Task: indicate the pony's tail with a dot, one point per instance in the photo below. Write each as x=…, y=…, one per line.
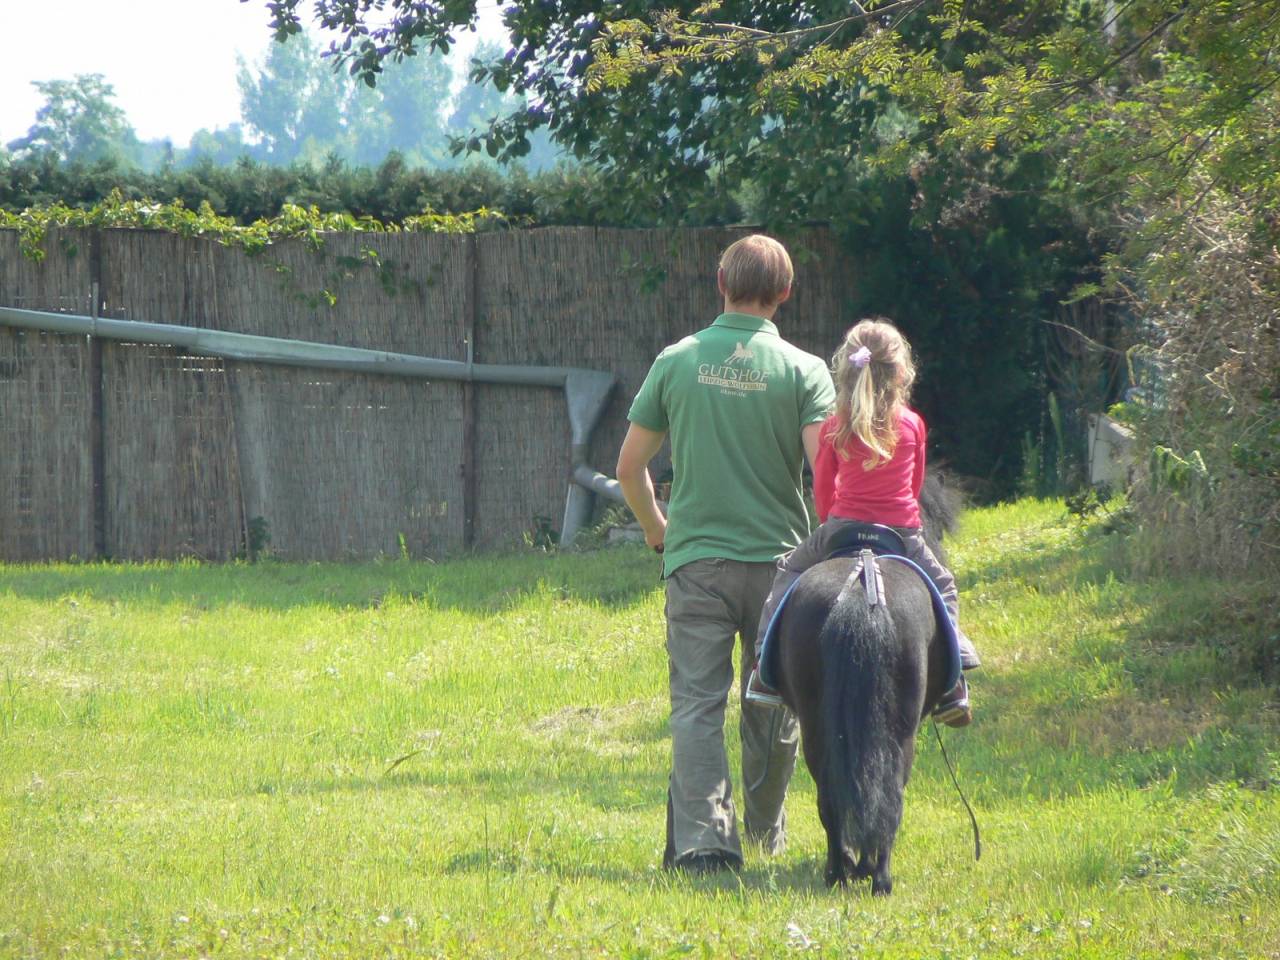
x=863, y=762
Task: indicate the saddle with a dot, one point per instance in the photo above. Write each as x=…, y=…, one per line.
x=870, y=543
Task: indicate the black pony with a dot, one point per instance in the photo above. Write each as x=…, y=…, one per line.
x=860, y=678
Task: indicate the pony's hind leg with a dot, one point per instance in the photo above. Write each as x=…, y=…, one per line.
x=811, y=742
x=836, y=872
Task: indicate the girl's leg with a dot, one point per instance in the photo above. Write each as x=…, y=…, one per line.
x=811, y=550
x=954, y=708
x=919, y=551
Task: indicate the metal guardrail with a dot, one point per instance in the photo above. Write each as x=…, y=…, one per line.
x=586, y=391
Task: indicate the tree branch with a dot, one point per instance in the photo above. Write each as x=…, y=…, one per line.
x=757, y=35
x=1081, y=84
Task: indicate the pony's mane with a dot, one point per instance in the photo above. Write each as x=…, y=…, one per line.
x=940, y=505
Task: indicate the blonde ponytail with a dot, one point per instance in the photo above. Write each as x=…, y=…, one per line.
x=873, y=372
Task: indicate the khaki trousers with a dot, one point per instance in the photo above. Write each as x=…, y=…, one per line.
x=709, y=602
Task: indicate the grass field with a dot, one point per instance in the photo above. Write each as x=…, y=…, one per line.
x=200, y=761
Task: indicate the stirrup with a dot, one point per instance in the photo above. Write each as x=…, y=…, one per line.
x=955, y=711
x=758, y=692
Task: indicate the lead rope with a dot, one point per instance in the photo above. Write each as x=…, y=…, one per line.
x=977, y=839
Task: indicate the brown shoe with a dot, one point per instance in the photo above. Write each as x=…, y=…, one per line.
x=706, y=862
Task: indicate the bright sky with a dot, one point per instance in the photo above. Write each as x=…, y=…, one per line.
x=172, y=62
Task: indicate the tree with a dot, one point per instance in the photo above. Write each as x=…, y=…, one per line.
x=301, y=108
x=714, y=95
x=220, y=147
x=403, y=112
x=79, y=122
x=543, y=73
x=480, y=103
x=294, y=103
x=1150, y=101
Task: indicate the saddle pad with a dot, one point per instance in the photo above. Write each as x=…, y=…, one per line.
x=768, y=666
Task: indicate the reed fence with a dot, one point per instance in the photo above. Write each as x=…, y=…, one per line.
x=140, y=451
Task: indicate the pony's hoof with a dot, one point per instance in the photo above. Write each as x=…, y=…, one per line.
x=881, y=888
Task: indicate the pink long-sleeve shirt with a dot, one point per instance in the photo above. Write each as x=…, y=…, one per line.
x=888, y=493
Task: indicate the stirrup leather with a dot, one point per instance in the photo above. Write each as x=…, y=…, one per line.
x=872, y=579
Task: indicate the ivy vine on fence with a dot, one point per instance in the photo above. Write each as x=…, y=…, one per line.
x=307, y=224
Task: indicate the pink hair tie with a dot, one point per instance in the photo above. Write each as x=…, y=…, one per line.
x=860, y=357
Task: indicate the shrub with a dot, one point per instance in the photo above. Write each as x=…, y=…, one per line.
x=1210, y=412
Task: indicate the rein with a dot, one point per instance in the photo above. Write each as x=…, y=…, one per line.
x=977, y=839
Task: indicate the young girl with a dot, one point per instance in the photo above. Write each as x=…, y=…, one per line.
x=869, y=469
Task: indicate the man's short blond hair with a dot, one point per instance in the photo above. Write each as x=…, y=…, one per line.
x=757, y=269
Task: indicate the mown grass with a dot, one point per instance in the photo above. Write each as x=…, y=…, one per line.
x=200, y=761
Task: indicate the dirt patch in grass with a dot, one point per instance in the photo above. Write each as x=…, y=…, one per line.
x=1239, y=624
x=1123, y=725
x=619, y=730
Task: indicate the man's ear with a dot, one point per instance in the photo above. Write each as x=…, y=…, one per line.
x=720, y=281
x=784, y=296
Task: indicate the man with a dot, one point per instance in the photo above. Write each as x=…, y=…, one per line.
x=742, y=408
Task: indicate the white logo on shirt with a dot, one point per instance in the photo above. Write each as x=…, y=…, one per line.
x=732, y=380
x=740, y=354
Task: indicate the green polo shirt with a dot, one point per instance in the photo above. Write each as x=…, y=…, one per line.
x=733, y=398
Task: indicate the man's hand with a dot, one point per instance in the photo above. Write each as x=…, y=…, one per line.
x=657, y=536
x=639, y=447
